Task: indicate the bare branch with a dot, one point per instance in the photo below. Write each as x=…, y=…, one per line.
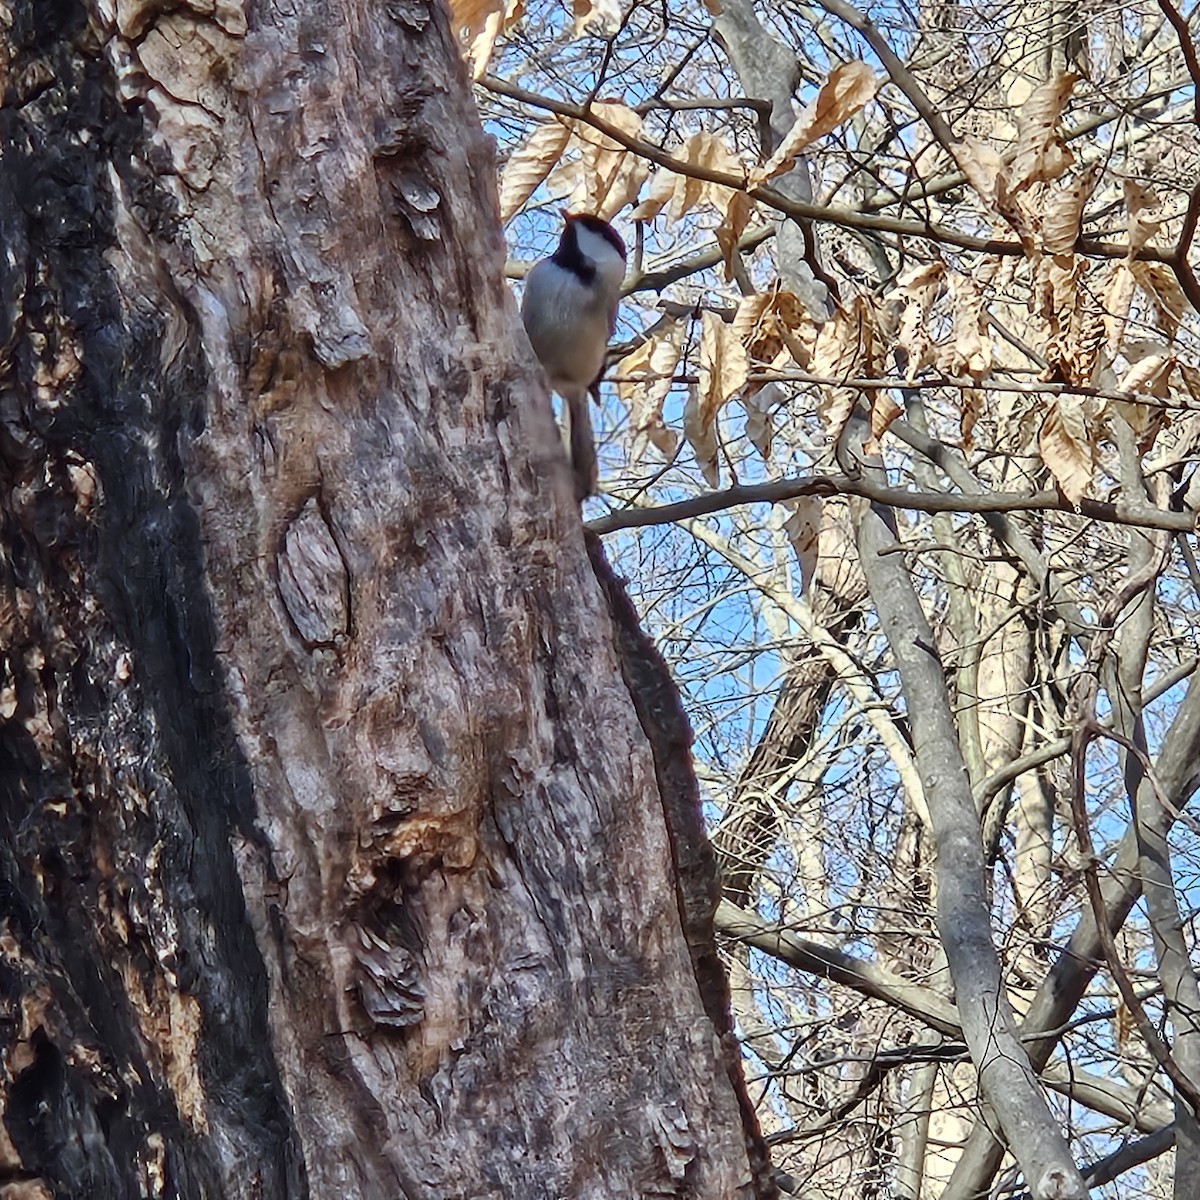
x=926, y=1005
x=1121, y=512
x=989, y=1025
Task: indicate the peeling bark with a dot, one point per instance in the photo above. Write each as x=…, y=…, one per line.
x=334, y=859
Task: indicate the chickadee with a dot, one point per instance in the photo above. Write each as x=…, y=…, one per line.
x=570, y=311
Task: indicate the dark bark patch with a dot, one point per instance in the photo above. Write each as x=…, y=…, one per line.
x=121, y=787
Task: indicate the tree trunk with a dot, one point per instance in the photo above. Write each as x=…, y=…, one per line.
x=334, y=858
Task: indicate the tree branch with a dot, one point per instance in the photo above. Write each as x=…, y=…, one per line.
x=963, y=921
x=1187, y=44
x=801, y=210
x=1123, y=1104
x=1122, y=512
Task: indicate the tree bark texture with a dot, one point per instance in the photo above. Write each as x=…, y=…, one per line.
x=334, y=859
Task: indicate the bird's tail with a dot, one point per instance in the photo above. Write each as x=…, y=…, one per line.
x=581, y=442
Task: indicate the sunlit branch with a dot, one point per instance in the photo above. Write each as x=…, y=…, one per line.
x=846, y=217
x=1121, y=512
x=924, y=1003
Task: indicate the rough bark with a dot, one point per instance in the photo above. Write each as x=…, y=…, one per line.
x=334, y=860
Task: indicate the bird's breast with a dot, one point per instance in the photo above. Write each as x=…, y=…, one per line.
x=568, y=326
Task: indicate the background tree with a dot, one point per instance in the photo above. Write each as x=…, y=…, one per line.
x=900, y=465
x=336, y=860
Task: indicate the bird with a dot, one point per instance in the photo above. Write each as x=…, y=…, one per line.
x=569, y=310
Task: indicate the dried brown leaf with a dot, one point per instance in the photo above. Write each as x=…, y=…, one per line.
x=916, y=288
x=687, y=193
x=884, y=410
x=468, y=17
x=752, y=311
x=722, y=359
x=845, y=345
x=702, y=150
x=1013, y=208
x=701, y=434
x=849, y=87
x=1140, y=198
x=1041, y=154
x=610, y=176
x=1149, y=376
x=480, y=23
x=529, y=165
x=683, y=192
x=1118, y=296
x=971, y=350
x=723, y=369
x=564, y=179
x=632, y=372
x=734, y=206
x=1062, y=211
x=803, y=528
x=625, y=187
x=1086, y=338
x=1075, y=321
x=768, y=322
x=662, y=189
x=655, y=361
x=1066, y=447
x=982, y=165
x=736, y=212
x=709, y=151
x=1159, y=283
